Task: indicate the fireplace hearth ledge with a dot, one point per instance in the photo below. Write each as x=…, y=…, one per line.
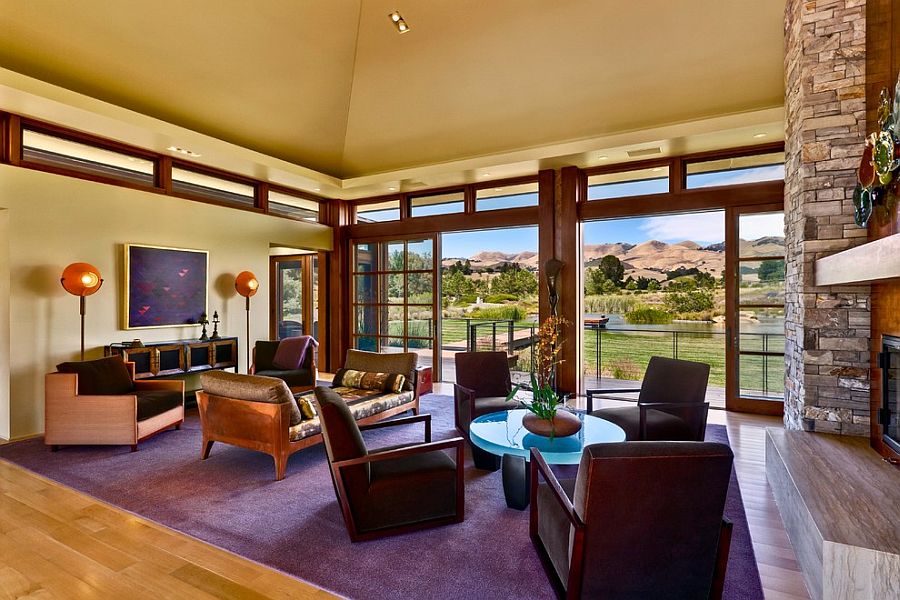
x=874, y=261
x=838, y=500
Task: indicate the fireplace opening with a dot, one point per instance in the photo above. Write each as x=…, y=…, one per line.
x=889, y=413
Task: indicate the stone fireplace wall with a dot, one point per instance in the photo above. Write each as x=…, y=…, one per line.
x=827, y=328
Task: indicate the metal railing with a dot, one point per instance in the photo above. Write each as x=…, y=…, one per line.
x=623, y=353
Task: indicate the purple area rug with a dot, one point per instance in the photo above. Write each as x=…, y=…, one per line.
x=232, y=501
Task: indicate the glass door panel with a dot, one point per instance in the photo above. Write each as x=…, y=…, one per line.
x=757, y=311
x=394, y=297
x=289, y=307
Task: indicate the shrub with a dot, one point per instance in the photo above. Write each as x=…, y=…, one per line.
x=507, y=313
x=645, y=315
x=624, y=368
x=616, y=304
x=500, y=298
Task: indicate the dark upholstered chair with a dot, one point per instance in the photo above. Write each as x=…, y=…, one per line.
x=640, y=520
x=391, y=490
x=298, y=380
x=671, y=405
x=482, y=384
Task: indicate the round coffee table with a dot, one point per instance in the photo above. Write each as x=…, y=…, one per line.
x=501, y=433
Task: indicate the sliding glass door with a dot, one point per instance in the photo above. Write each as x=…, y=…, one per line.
x=756, y=310
x=394, y=296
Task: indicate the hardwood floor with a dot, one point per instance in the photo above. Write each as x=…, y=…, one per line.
x=59, y=543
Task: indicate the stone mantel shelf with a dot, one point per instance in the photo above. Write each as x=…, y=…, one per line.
x=875, y=261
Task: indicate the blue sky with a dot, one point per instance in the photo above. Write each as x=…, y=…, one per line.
x=704, y=228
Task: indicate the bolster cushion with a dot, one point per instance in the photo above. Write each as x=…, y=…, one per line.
x=369, y=380
x=102, y=377
x=254, y=388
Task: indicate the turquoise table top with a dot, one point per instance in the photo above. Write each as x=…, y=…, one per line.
x=502, y=433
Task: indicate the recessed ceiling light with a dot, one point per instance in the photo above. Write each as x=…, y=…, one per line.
x=485, y=174
x=656, y=169
x=602, y=157
x=392, y=189
x=184, y=151
x=760, y=135
x=318, y=189
x=398, y=22
x=498, y=189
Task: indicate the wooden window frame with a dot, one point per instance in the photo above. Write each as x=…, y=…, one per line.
x=11, y=144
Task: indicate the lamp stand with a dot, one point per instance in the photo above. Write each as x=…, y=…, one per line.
x=248, y=333
x=82, y=303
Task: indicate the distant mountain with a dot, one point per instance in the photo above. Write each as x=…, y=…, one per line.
x=651, y=259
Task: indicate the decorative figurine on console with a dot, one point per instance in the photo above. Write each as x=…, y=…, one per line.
x=203, y=321
x=215, y=334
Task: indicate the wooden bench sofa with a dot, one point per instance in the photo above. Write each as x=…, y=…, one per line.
x=260, y=413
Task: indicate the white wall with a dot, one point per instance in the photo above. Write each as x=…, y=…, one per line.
x=54, y=220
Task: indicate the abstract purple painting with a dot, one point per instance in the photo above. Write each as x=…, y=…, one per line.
x=164, y=287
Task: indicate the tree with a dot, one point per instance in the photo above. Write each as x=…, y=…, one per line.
x=631, y=285
x=612, y=268
x=593, y=282
x=691, y=300
x=705, y=280
x=771, y=270
x=456, y=285
x=609, y=287
x=653, y=285
x=515, y=281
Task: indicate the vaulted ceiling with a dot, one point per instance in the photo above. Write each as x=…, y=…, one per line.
x=331, y=85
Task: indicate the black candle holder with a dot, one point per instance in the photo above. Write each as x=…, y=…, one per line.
x=203, y=321
x=215, y=334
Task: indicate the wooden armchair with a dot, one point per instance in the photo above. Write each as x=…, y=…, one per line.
x=391, y=490
x=99, y=402
x=640, y=520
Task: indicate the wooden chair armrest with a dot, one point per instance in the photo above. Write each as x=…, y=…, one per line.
x=539, y=465
x=601, y=391
x=682, y=410
x=426, y=418
x=452, y=443
x=175, y=385
x=724, y=549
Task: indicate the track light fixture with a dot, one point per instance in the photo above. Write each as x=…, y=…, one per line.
x=398, y=22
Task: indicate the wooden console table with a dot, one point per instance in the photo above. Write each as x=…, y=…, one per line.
x=177, y=357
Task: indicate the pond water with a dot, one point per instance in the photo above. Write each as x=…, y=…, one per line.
x=762, y=324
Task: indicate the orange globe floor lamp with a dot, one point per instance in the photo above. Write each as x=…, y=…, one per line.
x=82, y=280
x=247, y=285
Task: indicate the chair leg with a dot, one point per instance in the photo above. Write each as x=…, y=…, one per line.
x=134, y=447
x=280, y=466
x=54, y=448
x=206, y=446
x=178, y=425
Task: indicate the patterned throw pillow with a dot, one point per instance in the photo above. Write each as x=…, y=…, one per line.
x=365, y=380
x=307, y=409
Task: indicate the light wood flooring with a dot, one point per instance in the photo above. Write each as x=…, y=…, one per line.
x=59, y=543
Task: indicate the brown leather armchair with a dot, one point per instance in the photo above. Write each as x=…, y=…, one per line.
x=640, y=520
x=391, y=490
x=671, y=404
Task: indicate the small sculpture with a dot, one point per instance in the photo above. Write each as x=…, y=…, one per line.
x=215, y=333
x=203, y=321
x=552, y=268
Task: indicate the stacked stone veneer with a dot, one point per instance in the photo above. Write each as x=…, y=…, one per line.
x=827, y=328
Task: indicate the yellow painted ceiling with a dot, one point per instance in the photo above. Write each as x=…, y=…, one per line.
x=331, y=85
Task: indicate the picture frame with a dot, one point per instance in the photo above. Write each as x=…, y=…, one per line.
x=164, y=287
